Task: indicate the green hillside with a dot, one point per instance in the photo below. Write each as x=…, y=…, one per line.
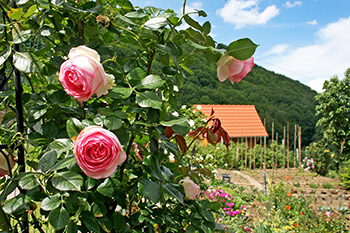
x=277, y=98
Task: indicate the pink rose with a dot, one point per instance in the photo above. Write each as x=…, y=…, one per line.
x=192, y=190
x=235, y=70
x=98, y=152
x=82, y=75
x=4, y=169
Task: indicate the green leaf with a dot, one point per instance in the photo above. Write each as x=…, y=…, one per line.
x=156, y=23
x=170, y=123
x=180, y=126
x=62, y=145
x=241, y=49
x=136, y=14
x=27, y=62
x=151, y=82
x=17, y=204
x=72, y=227
x=150, y=190
x=112, y=123
x=108, y=187
x=120, y=93
x=174, y=190
x=206, y=28
x=50, y=203
x=88, y=219
x=59, y=218
x=4, y=55
x=136, y=75
x=28, y=181
x=4, y=221
x=64, y=163
x=47, y=160
x=125, y=4
x=198, y=46
x=193, y=23
x=67, y=181
x=148, y=100
x=15, y=13
x=74, y=126
x=30, y=11
x=151, y=166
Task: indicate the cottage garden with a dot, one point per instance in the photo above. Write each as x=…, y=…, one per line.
x=93, y=140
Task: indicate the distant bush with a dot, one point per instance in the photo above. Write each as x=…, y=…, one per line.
x=345, y=175
x=314, y=185
x=327, y=185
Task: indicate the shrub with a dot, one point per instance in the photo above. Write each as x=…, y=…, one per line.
x=327, y=185
x=345, y=175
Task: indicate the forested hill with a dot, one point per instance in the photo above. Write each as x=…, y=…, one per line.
x=277, y=98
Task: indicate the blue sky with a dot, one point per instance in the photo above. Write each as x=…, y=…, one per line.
x=306, y=40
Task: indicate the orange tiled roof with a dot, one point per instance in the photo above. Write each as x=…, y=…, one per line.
x=237, y=120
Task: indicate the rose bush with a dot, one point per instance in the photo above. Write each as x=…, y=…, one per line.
x=82, y=75
x=98, y=152
x=233, y=69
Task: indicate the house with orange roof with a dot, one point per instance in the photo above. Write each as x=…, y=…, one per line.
x=239, y=121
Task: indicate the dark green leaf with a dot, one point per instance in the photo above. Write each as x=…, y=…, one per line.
x=191, y=229
x=174, y=190
x=148, y=100
x=50, y=203
x=27, y=62
x=156, y=23
x=67, y=181
x=151, y=82
x=64, y=163
x=17, y=204
x=125, y=4
x=4, y=55
x=193, y=23
x=47, y=160
x=136, y=75
x=108, y=187
x=120, y=93
x=59, y=218
x=118, y=222
x=150, y=190
x=112, y=123
x=4, y=221
x=72, y=227
x=206, y=28
x=88, y=219
x=151, y=165
x=61, y=145
x=241, y=49
x=29, y=181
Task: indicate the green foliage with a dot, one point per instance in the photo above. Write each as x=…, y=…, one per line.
x=319, y=157
x=333, y=112
x=327, y=185
x=345, y=175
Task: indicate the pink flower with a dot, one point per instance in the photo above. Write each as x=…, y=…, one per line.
x=82, y=75
x=4, y=169
x=98, y=152
x=192, y=189
x=235, y=70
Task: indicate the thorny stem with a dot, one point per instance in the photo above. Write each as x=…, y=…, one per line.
x=149, y=66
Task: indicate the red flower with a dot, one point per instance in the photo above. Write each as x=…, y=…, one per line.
x=288, y=207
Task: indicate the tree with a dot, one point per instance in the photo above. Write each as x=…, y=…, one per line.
x=334, y=111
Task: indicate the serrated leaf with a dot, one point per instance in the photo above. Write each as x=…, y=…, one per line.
x=59, y=218
x=74, y=126
x=156, y=23
x=67, y=181
x=50, y=203
x=173, y=190
x=150, y=190
x=241, y=49
x=151, y=82
x=120, y=93
x=112, y=123
x=4, y=55
x=88, y=219
x=62, y=145
x=28, y=181
x=148, y=100
x=27, y=62
x=63, y=163
x=151, y=166
x=108, y=187
x=47, y=160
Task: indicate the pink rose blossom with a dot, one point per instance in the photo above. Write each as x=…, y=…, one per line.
x=82, y=75
x=192, y=189
x=233, y=69
x=98, y=152
x=4, y=169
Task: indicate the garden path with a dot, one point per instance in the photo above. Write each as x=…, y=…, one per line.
x=240, y=178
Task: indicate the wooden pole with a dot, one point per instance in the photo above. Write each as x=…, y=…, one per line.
x=264, y=165
x=246, y=152
x=287, y=144
x=242, y=153
x=273, y=129
x=254, y=151
x=284, y=147
x=276, y=150
x=237, y=152
x=262, y=152
x=250, y=152
x=299, y=157
x=295, y=145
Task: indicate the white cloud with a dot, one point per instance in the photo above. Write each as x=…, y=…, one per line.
x=312, y=22
x=278, y=49
x=246, y=12
x=314, y=63
x=289, y=4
